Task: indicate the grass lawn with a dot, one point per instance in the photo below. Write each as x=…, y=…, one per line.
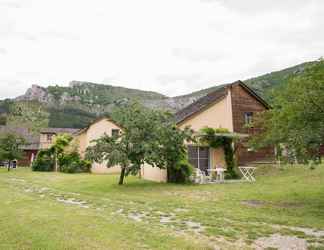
x=84, y=211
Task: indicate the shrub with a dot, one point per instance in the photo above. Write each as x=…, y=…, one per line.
x=44, y=161
x=72, y=163
x=181, y=172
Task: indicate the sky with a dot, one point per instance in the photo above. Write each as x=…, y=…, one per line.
x=170, y=46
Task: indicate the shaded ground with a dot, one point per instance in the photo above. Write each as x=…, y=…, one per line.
x=282, y=210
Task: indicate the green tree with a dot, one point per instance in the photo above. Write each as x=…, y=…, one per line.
x=11, y=148
x=129, y=148
x=168, y=149
x=61, y=142
x=297, y=118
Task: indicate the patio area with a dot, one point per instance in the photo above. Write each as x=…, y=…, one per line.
x=217, y=175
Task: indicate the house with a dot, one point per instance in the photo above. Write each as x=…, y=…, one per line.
x=35, y=142
x=47, y=135
x=94, y=131
x=231, y=106
x=32, y=143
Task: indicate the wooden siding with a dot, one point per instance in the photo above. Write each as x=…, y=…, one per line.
x=244, y=102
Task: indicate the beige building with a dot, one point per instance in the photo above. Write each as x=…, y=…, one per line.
x=94, y=131
x=47, y=135
x=231, y=106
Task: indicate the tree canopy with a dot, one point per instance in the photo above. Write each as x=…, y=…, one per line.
x=297, y=118
x=147, y=136
x=11, y=148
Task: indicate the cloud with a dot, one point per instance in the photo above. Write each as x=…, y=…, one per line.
x=11, y=4
x=3, y=51
x=198, y=54
x=174, y=47
x=257, y=6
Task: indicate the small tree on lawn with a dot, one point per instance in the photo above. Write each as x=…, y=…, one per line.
x=112, y=150
x=10, y=148
x=168, y=149
x=147, y=137
x=128, y=149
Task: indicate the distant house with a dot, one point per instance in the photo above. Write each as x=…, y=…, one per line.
x=35, y=142
x=47, y=135
x=232, y=106
x=32, y=143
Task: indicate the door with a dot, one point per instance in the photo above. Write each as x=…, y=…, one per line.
x=199, y=157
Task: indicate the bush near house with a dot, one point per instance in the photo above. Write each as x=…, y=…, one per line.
x=63, y=155
x=180, y=172
x=72, y=163
x=44, y=161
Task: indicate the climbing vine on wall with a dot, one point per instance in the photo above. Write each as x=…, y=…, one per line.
x=216, y=138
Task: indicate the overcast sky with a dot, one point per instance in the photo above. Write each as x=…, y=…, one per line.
x=170, y=46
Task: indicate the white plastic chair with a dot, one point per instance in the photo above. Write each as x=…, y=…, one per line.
x=220, y=173
x=201, y=177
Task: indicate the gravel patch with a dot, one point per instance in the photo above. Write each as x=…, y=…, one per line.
x=280, y=242
x=136, y=216
x=73, y=201
x=194, y=226
x=181, y=210
x=166, y=219
x=254, y=203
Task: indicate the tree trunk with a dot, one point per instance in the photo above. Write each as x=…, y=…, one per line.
x=122, y=175
x=9, y=163
x=56, y=164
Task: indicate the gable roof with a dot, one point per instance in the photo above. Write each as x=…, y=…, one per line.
x=32, y=140
x=201, y=104
x=94, y=122
x=212, y=98
x=253, y=93
x=59, y=131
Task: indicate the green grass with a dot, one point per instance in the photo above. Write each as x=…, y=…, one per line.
x=198, y=216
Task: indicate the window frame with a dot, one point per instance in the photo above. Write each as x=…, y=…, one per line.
x=115, y=132
x=198, y=158
x=49, y=137
x=248, y=118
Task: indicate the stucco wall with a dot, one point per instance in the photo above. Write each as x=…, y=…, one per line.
x=153, y=173
x=218, y=115
x=98, y=129
x=43, y=142
x=81, y=141
x=95, y=131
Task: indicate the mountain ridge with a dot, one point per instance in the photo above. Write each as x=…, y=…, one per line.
x=81, y=102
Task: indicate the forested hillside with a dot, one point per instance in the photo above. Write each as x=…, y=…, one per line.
x=80, y=103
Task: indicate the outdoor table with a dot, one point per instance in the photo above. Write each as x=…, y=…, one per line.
x=219, y=173
x=248, y=173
